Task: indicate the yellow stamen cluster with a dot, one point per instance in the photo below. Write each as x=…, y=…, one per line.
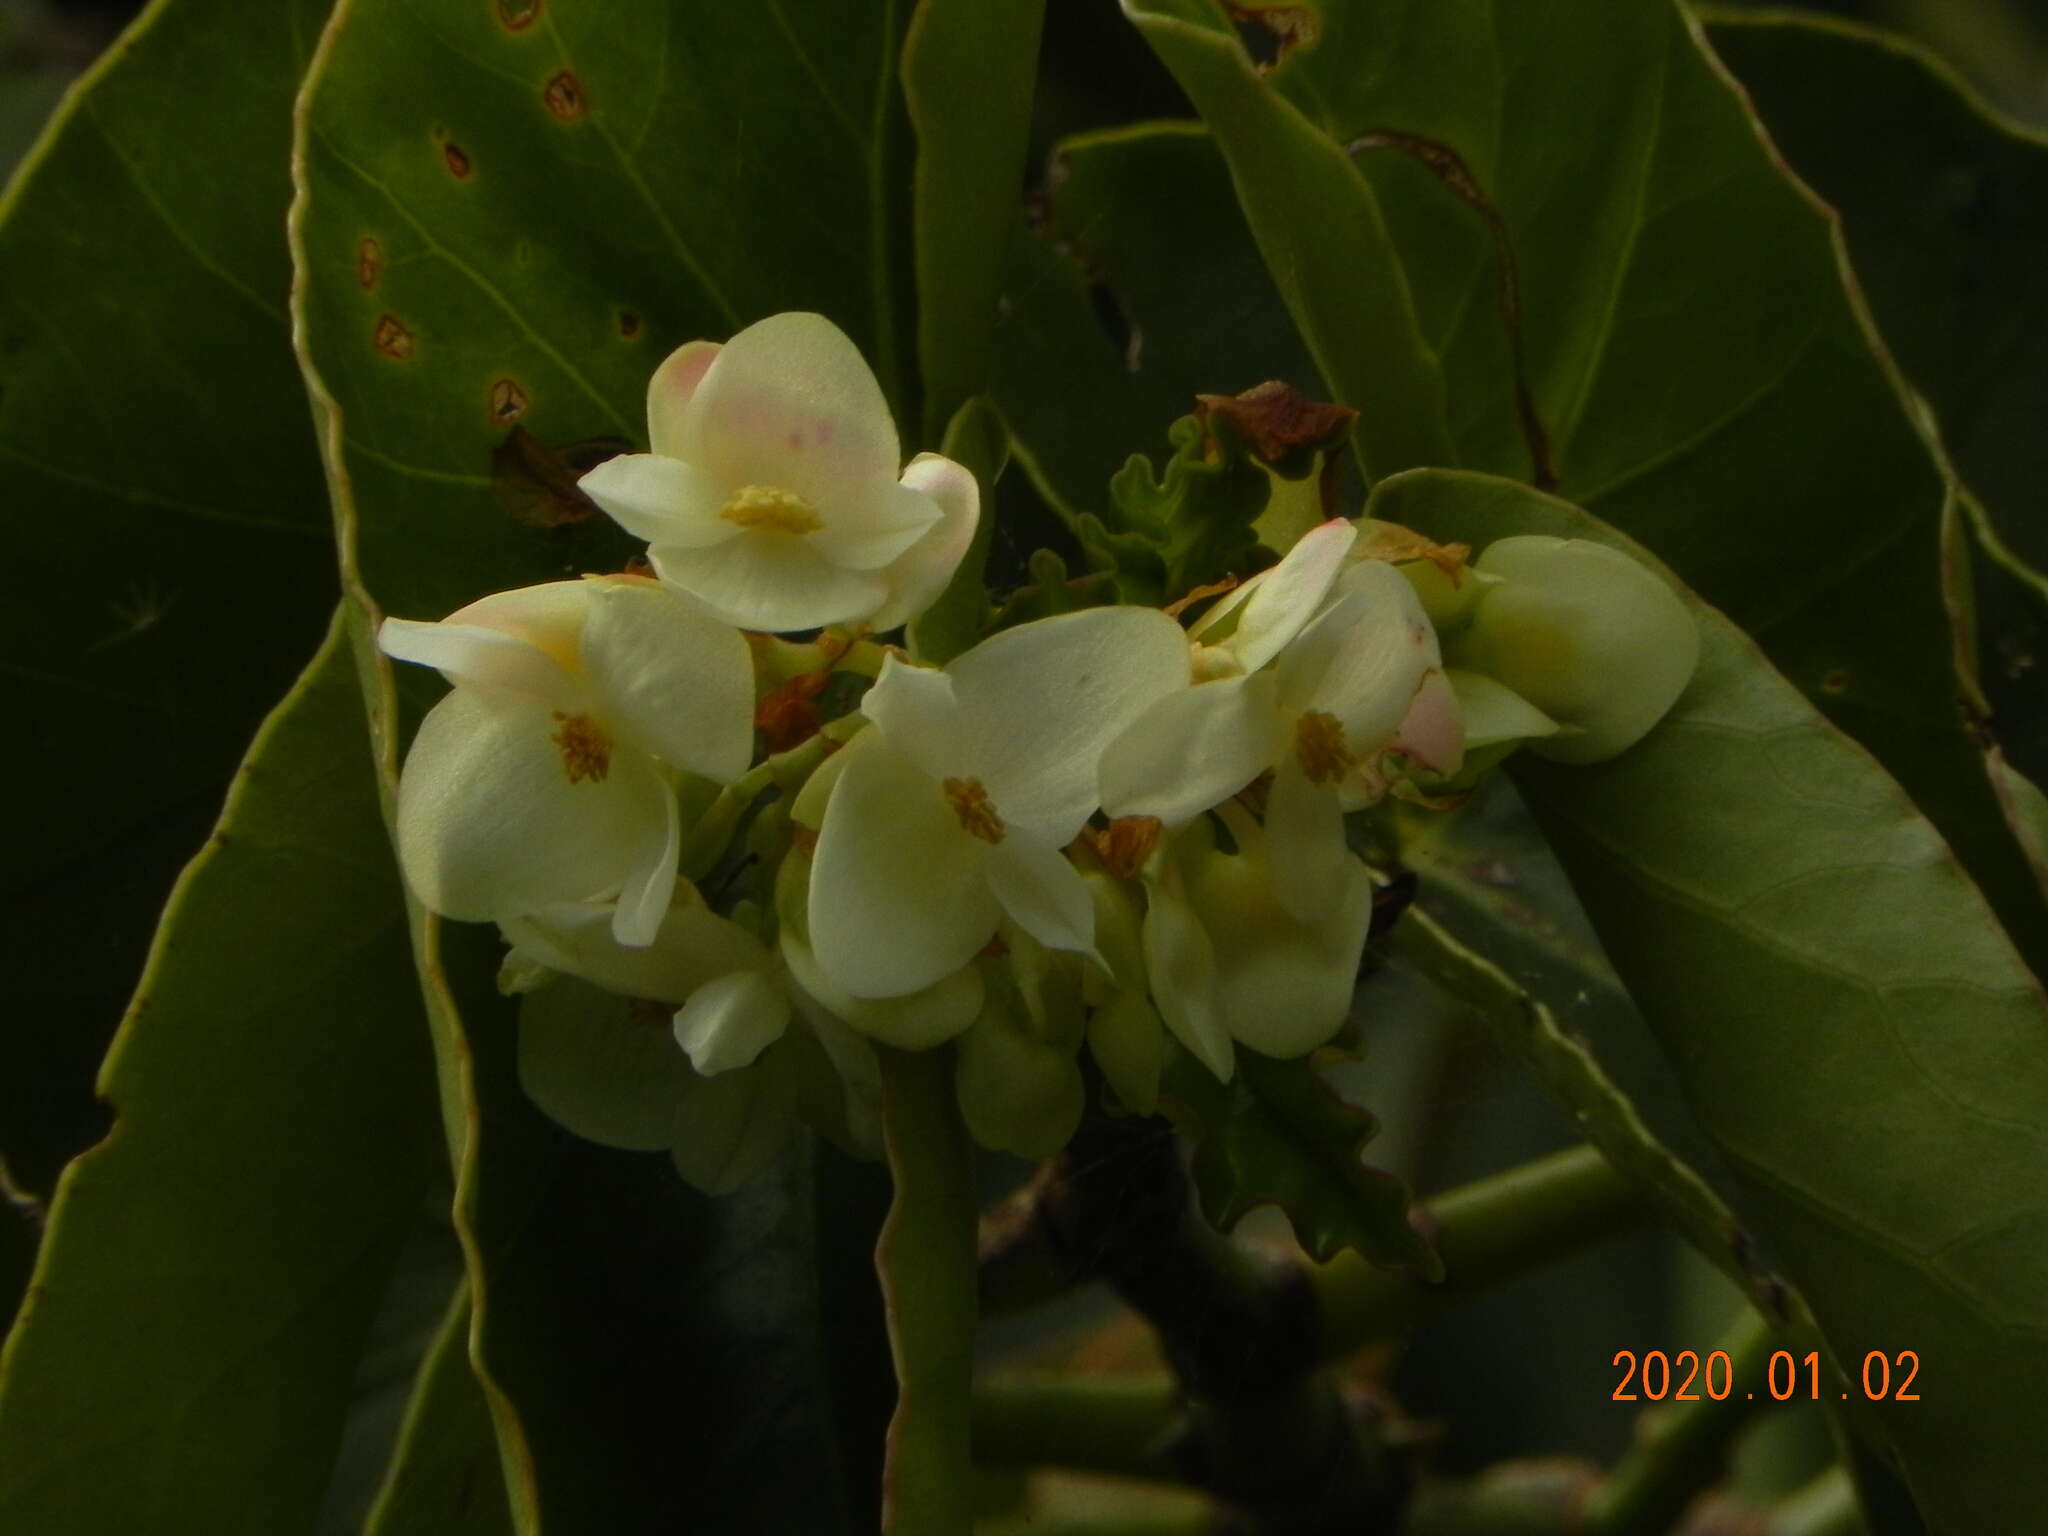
x=1320, y=748
x=769, y=506
x=586, y=748
x=970, y=803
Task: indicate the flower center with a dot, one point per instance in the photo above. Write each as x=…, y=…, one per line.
x=970, y=803
x=1319, y=747
x=770, y=506
x=586, y=748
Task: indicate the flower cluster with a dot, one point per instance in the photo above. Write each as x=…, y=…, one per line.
x=1103, y=828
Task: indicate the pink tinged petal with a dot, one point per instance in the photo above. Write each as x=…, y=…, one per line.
x=922, y=572
x=730, y=1021
x=868, y=532
x=598, y=1066
x=1305, y=837
x=1044, y=894
x=662, y=500
x=1181, y=965
x=649, y=886
x=486, y=658
x=1432, y=733
x=729, y=1127
x=492, y=825
x=789, y=402
x=1363, y=661
x=913, y=1023
x=694, y=945
x=1193, y=749
x=1291, y=593
x=769, y=580
x=917, y=710
x=1044, y=699
x=670, y=391
x=676, y=679
x=899, y=894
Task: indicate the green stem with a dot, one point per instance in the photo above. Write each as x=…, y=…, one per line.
x=785, y=771
x=926, y=1261
x=1683, y=1448
x=1096, y=1424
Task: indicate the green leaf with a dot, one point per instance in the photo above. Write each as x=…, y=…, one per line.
x=1854, y=1031
x=157, y=473
x=1141, y=225
x=1277, y=1134
x=968, y=67
x=1324, y=239
x=507, y=215
x=444, y=1478
x=1618, y=274
x=212, y=1269
x=977, y=439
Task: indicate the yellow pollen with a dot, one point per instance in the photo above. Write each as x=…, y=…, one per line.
x=970, y=803
x=1319, y=747
x=586, y=748
x=769, y=506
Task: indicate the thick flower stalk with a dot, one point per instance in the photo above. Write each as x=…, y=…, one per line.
x=771, y=492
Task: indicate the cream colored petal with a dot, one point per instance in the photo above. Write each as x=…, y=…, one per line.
x=1180, y=963
x=650, y=884
x=491, y=824
x=1494, y=713
x=1305, y=834
x=1284, y=602
x=1432, y=733
x=693, y=946
x=662, y=500
x=1193, y=748
x=1017, y=1094
x=918, y=575
x=789, y=402
x=865, y=533
x=680, y=681
x=899, y=891
x=489, y=658
x=773, y=581
x=911, y=1023
x=1364, y=659
x=670, y=392
x=1044, y=895
x=730, y=1021
x=917, y=711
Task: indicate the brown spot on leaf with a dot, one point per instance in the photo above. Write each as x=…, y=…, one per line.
x=518, y=15
x=536, y=484
x=457, y=159
x=1836, y=681
x=564, y=97
x=1281, y=425
x=629, y=324
x=369, y=262
x=508, y=402
x=394, y=339
x=1273, y=29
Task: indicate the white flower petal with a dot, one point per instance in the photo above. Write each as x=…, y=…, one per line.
x=918, y=575
x=490, y=658
x=1044, y=894
x=729, y=1127
x=1305, y=835
x=693, y=946
x=679, y=680
x=912, y=1023
x=730, y=1021
x=1194, y=748
x=1432, y=733
x=868, y=534
x=670, y=391
x=548, y=616
x=1284, y=602
x=490, y=824
x=1043, y=700
x=1180, y=962
x=918, y=712
x=899, y=895
x=600, y=1066
x=773, y=581
x=661, y=500
x=645, y=894
x=1364, y=659
x=789, y=402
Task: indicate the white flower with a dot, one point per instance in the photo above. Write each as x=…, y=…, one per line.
x=952, y=807
x=1335, y=700
x=771, y=493
x=1594, y=640
x=546, y=778
x=1228, y=961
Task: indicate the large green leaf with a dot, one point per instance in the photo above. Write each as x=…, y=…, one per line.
x=211, y=1270
x=1853, y=1029
x=444, y=1478
x=1594, y=229
x=169, y=563
x=507, y=214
